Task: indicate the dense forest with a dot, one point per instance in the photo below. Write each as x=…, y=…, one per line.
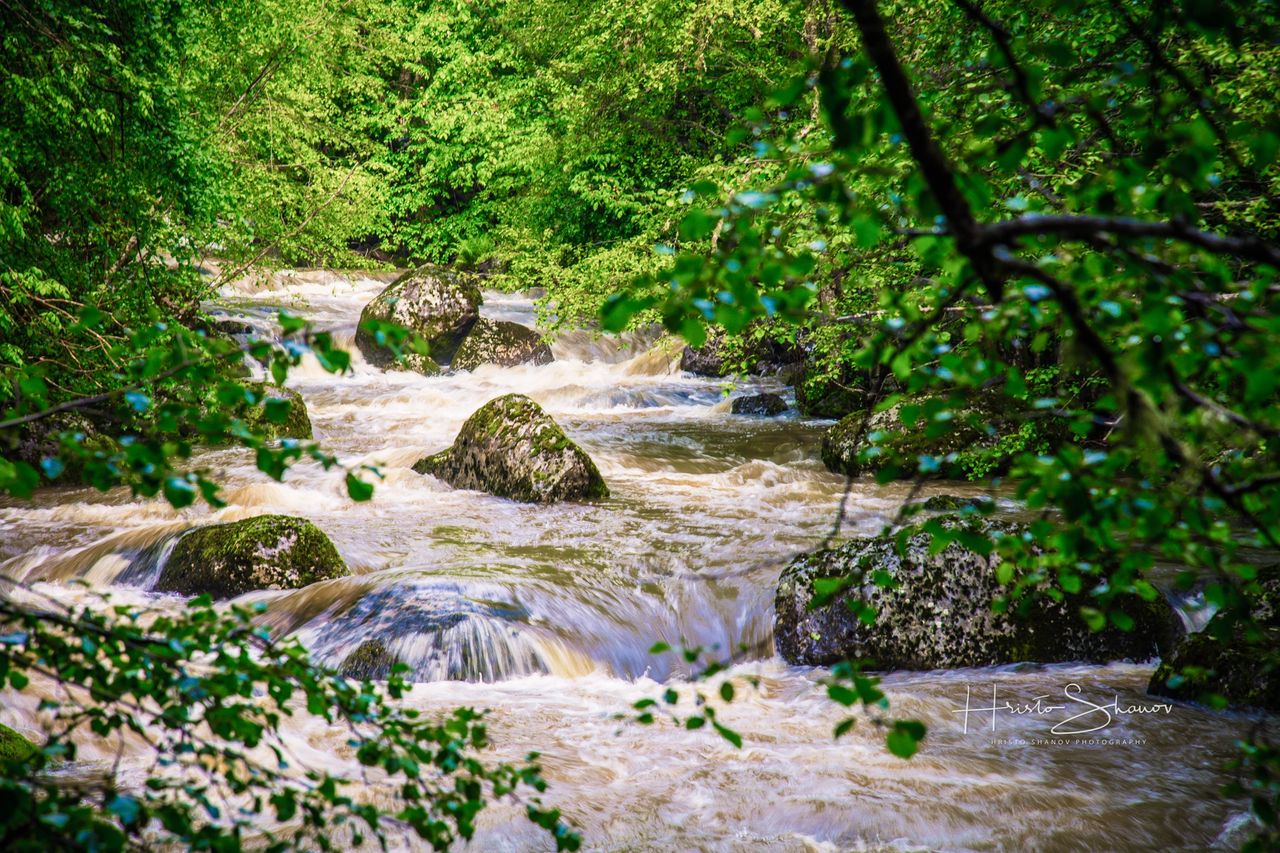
x=1010, y=268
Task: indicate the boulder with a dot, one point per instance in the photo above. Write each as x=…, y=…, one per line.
x=511, y=448
x=13, y=746
x=433, y=627
x=820, y=395
x=437, y=304
x=264, y=552
x=863, y=442
x=1225, y=659
x=952, y=503
x=229, y=327
x=767, y=405
x=720, y=355
x=502, y=343
x=370, y=661
x=39, y=440
x=297, y=423
x=937, y=612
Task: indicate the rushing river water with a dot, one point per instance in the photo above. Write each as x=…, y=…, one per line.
x=545, y=614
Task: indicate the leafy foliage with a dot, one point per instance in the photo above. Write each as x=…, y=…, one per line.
x=207, y=693
x=1069, y=207
x=1054, y=224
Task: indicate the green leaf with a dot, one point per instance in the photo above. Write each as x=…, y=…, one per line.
x=358, y=489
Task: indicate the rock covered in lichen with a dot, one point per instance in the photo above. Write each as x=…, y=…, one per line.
x=502, y=343
x=264, y=552
x=1226, y=658
x=297, y=423
x=511, y=448
x=765, y=405
x=437, y=304
x=13, y=746
x=936, y=612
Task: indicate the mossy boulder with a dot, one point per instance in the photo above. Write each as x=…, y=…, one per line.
x=952, y=503
x=370, y=661
x=765, y=405
x=866, y=442
x=1227, y=658
x=437, y=304
x=502, y=343
x=264, y=552
x=511, y=448
x=13, y=746
x=297, y=421
x=937, y=612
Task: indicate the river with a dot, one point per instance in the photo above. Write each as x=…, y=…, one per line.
x=545, y=615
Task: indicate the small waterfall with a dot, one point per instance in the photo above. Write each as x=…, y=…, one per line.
x=588, y=346
x=101, y=563
x=442, y=634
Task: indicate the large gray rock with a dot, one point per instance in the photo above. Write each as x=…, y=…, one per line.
x=511, y=448
x=1228, y=658
x=264, y=552
x=438, y=304
x=502, y=343
x=938, y=612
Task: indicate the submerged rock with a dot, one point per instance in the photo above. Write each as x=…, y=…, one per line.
x=937, y=612
x=502, y=343
x=767, y=405
x=371, y=661
x=230, y=327
x=434, y=629
x=511, y=448
x=1224, y=659
x=13, y=746
x=264, y=552
x=439, y=305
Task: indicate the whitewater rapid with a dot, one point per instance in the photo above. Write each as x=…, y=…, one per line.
x=545, y=615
